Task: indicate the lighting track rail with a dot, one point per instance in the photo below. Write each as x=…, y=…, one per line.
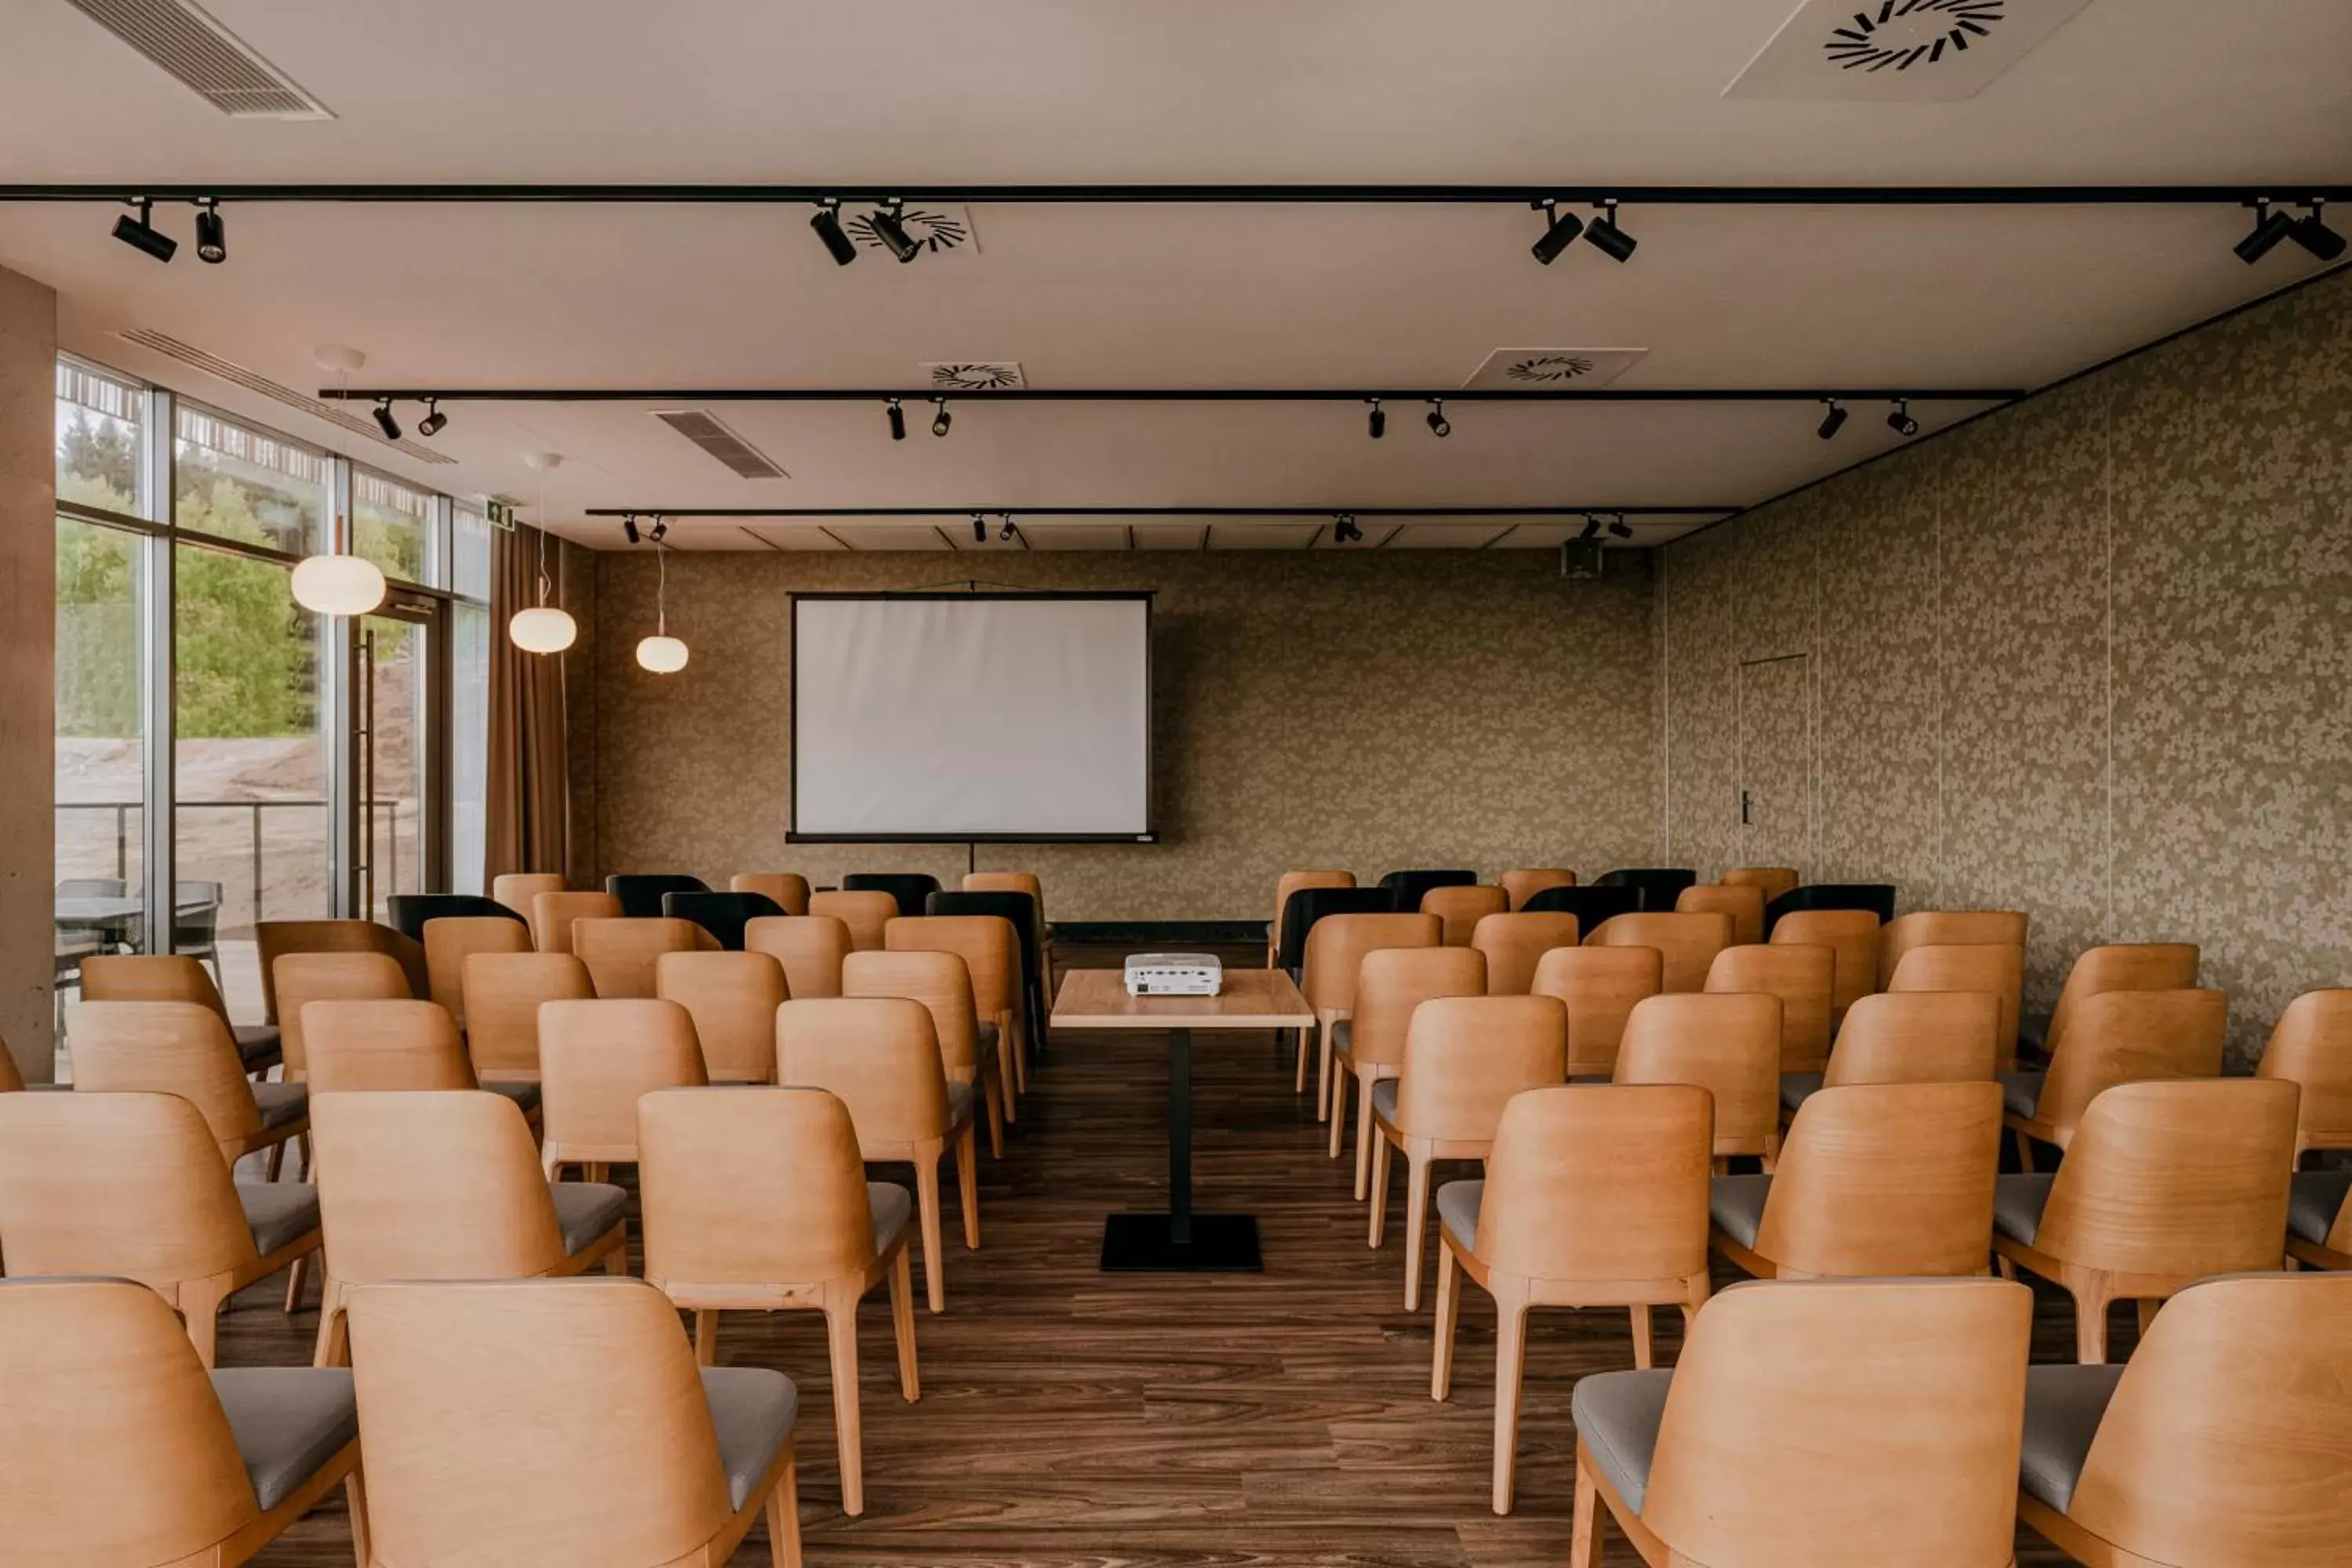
x=1162, y=395
x=781, y=514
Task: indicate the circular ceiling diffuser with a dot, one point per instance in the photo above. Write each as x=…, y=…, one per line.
x=930, y=227
x=975, y=377
x=1550, y=370
x=1900, y=34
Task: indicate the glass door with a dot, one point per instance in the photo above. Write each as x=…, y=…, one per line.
x=393, y=711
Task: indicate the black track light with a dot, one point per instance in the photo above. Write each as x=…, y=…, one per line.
x=1561, y=233
x=1007, y=533
x=1436, y=421
x=1591, y=529
x=979, y=529
x=211, y=234
x=1378, y=420
x=1620, y=527
x=385, y=422
x=140, y=234
x=826, y=221
x=435, y=421
x=2270, y=227
x=660, y=529
x=1605, y=235
x=1900, y=421
x=889, y=225
x=941, y=420
x=2312, y=233
x=629, y=529
x=1345, y=531
x=898, y=420
x=1834, y=421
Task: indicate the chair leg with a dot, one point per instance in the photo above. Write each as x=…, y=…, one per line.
x=1510, y=1351
x=1364, y=1136
x=1323, y=1072
x=1339, y=1076
x=276, y=1162
x=1018, y=1021
x=784, y=1519
x=992, y=1097
x=705, y=1337
x=967, y=1158
x=1643, y=1352
x=841, y=1340
x=1306, y=1049
x=902, y=1324
x=2091, y=1327
x=296, y=1272
x=617, y=1262
x=333, y=1347
x=200, y=1303
x=1380, y=1214
x=355, y=1502
x=1584, y=1528
x=1005, y=1077
x=927, y=1204
x=1449, y=1292
x=1416, y=1220
x=2024, y=1150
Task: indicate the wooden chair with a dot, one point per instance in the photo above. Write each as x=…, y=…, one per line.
x=1593, y=1197
x=1599, y=987
x=372, y=1047
x=1851, y=936
x=941, y=982
x=176, y=977
x=595, y=1059
x=1369, y=1047
x=1997, y=968
x=1771, y=880
x=732, y=998
x=1922, y=1037
x=552, y=914
x=517, y=889
x=504, y=991
x=1686, y=943
x=1335, y=951
x=623, y=955
x=1290, y=882
x=117, y=1450
x=302, y=978
x=863, y=912
x=1828, y=1421
x=183, y=1048
x=2164, y=1184
x=1514, y=944
x=1041, y=932
x=274, y=939
x=789, y=889
x=2114, y=1036
x=449, y=941
x=1800, y=974
x=1465, y=1056
x=2120, y=966
x=563, y=1422
x=1945, y=928
x=2319, y=1219
x=881, y=1055
x=444, y=1184
x=1460, y=908
x=991, y=951
x=1525, y=882
x=1726, y=1043
x=2312, y=1049
x=2223, y=1441
x=757, y=1199
x=1879, y=1180
x=132, y=1185
x=810, y=947
x=1744, y=904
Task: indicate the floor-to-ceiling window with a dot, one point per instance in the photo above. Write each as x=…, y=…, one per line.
x=470, y=698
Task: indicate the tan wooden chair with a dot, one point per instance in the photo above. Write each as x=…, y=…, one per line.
x=2119, y=966
x=1743, y=904
x=1525, y=882
x=451, y=939
x=1772, y=880
x=1800, y=974
x=504, y=991
x=2319, y=1219
x=732, y=998
x=274, y=939
x=1826, y=1421
x=1686, y=943
x=183, y=1048
x=2164, y=1184
x=991, y=951
x=810, y=947
x=1327, y=977
x=757, y=1199
x=1459, y=910
x=1853, y=936
x=1599, y=987
x=1727, y=1044
x=1593, y=1197
x=2312, y=1047
x=1997, y=968
x=443, y=1185
x=117, y=1449
x=1921, y=1037
x=517, y=889
x=789, y=890
x=1464, y=1057
x=2114, y=1036
x=595, y=1059
x=942, y=982
x=881, y=1055
x=1880, y=1180
x=132, y=1185
x=623, y=955
x=302, y=978
x=563, y=1422
x=1041, y=932
x=2223, y=1441
x=864, y=911
x=175, y=977
x=372, y=1047
x=552, y=914
x=1291, y=882
x=1368, y=1049
x=1946, y=928
x=1515, y=944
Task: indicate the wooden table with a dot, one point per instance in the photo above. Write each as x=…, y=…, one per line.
x=1181, y=1240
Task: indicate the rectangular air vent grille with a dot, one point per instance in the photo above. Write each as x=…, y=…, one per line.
x=205, y=57
x=277, y=392
x=706, y=431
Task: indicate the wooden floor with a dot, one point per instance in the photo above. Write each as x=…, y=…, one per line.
x=1071, y=1419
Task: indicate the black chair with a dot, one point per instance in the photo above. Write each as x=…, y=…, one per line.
x=910, y=888
x=1658, y=885
x=1878, y=898
x=723, y=915
x=640, y=892
x=1021, y=910
x=1590, y=906
x=1311, y=904
x=1407, y=887
x=409, y=911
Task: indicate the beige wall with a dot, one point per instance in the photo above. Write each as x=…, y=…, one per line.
x=1369, y=709
x=29, y=564
x=2090, y=656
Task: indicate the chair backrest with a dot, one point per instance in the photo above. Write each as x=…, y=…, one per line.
x=1465, y=1056
x=430, y=1184
x=552, y=914
x=2121, y=966
x=2312, y=1047
x=1524, y=882
x=1726, y=1043
x=595, y=1059
x=2225, y=1440
x=1023, y=882
x=1877, y=898
x=518, y=889
x=1917, y=1036
x=503, y=993
x=1018, y=910
x=1884, y=1180
x=1744, y=905
x=640, y=892
x=1851, y=935
x=1846, y=1421
x=91, y=887
x=375, y=1046
x=1459, y=907
x=1336, y=948
x=1407, y=887
x=751, y=1187
x=410, y=913
x=1599, y=986
x=939, y=980
x=166, y=1047
x=907, y=889
x=790, y=890
x=1995, y=968
x=303, y=978
x=449, y=939
x=113, y=1448
x=620, y=954
x=732, y=998
x=1513, y=944
x=1393, y=981
x=1605, y=1183
x=863, y=912
x=2186, y=1178
x=722, y=915
x=533, y=1421
x=274, y=939
x=1945, y=928
x=1591, y=906
x=2130, y=1036
x=1657, y=886
x=1308, y=907
x=988, y=946
x=1798, y=974
x=150, y=977
x=1687, y=943
x=1771, y=880
x=1291, y=882
x=810, y=947
x=879, y=1054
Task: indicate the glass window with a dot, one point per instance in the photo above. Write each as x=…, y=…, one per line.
x=392, y=789
x=469, y=743
x=234, y=482
x=390, y=524
x=471, y=546
x=100, y=757
x=99, y=418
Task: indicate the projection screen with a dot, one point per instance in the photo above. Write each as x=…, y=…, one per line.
x=971, y=716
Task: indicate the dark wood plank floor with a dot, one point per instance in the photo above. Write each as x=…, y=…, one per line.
x=1071, y=1419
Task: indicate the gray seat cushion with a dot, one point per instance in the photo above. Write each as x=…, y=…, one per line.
x=2318, y=1197
x=960, y=1099
x=257, y=1045
x=585, y=1211
x=1617, y=1415
x=1736, y=1205
x=278, y=1212
x=288, y=1421
x=2017, y=1205
x=1796, y=1088
x=281, y=1103
x=524, y=1095
x=2019, y=1092
x=1457, y=1210
x=751, y=1408
x=1384, y=1098
x=892, y=1207
x=2063, y=1406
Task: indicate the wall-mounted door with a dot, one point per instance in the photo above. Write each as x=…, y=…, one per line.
x=1776, y=795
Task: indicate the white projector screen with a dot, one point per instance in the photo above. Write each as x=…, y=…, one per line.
x=971, y=716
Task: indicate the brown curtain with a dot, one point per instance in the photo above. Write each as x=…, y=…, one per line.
x=530, y=789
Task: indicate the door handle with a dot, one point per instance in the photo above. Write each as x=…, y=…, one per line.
x=1744, y=819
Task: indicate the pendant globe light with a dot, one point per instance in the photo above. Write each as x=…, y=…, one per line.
x=543, y=627
x=661, y=653
x=339, y=582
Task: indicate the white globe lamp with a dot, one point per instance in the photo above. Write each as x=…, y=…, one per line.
x=663, y=655
x=338, y=586
x=543, y=629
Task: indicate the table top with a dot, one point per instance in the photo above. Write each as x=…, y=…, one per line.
x=116, y=908
x=1252, y=999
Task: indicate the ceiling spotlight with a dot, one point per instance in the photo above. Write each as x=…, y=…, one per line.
x=1591, y=529
x=979, y=529
x=1344, y=530
x=385, y=422
x=140, y=234
x=660, y=529
x=1008, y=533
x=940, y=422
x=827, y=224
x=1620, y=527
x=1437, y=423
x=212, y=235
x=1378, y=420
x=889, y=225
x=1605, y=236
x=2270, y=227
x=2312, y=233
x=1834, y=421
x=1562, y=234
x=435, y=421
x=898, y=420
x=629, y=529
x=1900, y=421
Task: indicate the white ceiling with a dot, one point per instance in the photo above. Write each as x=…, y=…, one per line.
x=1211, y=90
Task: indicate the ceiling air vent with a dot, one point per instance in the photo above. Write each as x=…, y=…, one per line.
x=211, y=364
x=1930, y=50
x=1551, y=370
x=206, y=57
x=941, y=228
x=973, y=375
x=706, y=431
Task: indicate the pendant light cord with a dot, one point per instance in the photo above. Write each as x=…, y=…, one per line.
x=661, y=589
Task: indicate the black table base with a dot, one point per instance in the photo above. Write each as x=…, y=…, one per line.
x=1179, y=1241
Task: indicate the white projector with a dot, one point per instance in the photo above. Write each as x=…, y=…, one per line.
x=1174, y=974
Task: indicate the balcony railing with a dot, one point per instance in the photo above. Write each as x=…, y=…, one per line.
x=386, y=821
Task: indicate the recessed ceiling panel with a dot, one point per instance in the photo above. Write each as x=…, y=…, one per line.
x=1262, y=533
x=1466, y=533
x=1170, y=535
x=795, y=536
x=914, y=534
x=1552, y=370
x=1928, y=51
x=1055, y=534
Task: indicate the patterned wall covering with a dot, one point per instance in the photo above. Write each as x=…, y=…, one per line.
x=1370, y=709
x=2090, y=656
